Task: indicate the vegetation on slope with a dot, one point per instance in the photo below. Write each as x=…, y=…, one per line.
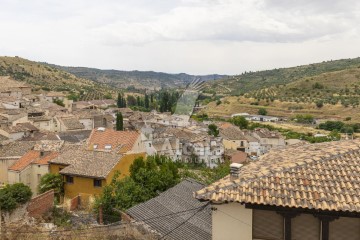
x=135, y=79
x=46, y=77
x=252, y=81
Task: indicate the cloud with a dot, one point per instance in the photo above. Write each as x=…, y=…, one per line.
x=195, y=36
x=234, y=20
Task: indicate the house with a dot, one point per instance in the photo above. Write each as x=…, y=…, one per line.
x=18, y=131
x=92, y=118
x=233, y=138
x=9, y=154
x=240, y=115
x=253, y=145
x=51, y=96
x=12, y=88
x=30, y=168
x=268, y=139
x=178, y=215
x=122, y=142
x=67, y=123
x=86, y=172
x=170, y=147
x=197, y=146
x=261, y=118
x=34, y=164
x=298, y=192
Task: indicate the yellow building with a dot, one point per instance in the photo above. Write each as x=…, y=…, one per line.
x=87, y=172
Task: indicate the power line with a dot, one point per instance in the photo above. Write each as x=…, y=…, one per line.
x=113, y=225
x=163, y=237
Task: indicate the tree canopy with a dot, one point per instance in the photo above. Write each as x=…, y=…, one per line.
x=213, y=130
x=13, y=195
x=147, y=179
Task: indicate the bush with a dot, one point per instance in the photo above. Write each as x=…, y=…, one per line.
x=52, y=181
x=307, y=118
x=262, y=111
x=240, y=121
x=319, y=104
x=12, y=195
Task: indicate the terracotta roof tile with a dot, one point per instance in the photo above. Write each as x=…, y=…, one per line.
x=123, y=141
x=32, y=156
x=323, y=176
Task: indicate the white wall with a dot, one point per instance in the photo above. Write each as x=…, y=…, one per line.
x=231, y=221
x=37, y=169
x=87, y=122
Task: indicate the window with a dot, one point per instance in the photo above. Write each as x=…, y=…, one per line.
x=95, y=146
x=107, y=146
x=149, y=144
x=69, y=179
x=97, y=182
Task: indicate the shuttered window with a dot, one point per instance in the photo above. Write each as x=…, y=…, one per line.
x=345, y=229
x=305, y=227
x=267, y=225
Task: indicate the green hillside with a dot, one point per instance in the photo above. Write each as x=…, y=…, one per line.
x=42, y=76
x=252, y=81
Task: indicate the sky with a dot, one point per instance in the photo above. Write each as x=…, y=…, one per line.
x=192, y=36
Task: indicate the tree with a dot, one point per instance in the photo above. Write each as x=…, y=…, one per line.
x=147, y=102
x=121, y=102
x=52, y=181
x=147, y=179
x=262, y=111
x=12, y=195
x=240, y=121
x=119, y=122
x=213, y=130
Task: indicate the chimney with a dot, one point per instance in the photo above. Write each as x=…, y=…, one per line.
x=235, y=171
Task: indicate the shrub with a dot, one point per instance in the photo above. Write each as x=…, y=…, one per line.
x=12, y=195
x=262, y=111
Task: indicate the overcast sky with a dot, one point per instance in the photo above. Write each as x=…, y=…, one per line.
x=193, y=36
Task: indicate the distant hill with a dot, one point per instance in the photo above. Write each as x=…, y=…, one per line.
x=137, y=79
x=253, y=81
x=332, y=87
x=42, y=76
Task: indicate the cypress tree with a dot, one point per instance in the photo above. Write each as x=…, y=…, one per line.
x=119, y=122
x=147, y=103
x=119, y=100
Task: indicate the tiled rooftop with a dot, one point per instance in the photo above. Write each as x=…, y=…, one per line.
x=82, y=162
x=32, y=156
x=72, y=123
x=16, y=149
x=177, y=226
x=322, y=176
x=122, y=141
x=232, y=133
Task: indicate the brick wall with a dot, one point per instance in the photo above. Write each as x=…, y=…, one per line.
x=74, y=203
x=41, y=204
